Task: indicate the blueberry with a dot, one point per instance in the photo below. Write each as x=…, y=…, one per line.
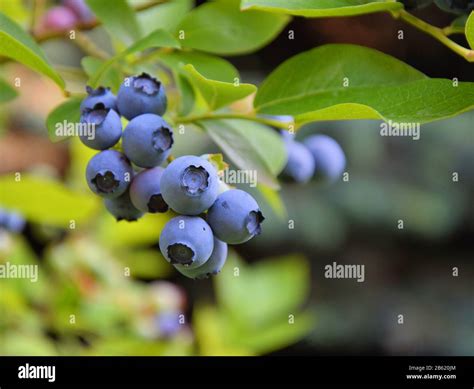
x=107, y=127
x=80, y=8
x=300, y=164
x=141, y=94
x=187, y=241
x=122, y=208
x=190, y=185
x=235, y=217
x=109, y=173
x=59, y=19
x=100, y=95
x=415, y=4
x=145, y=191
x=329, y=157
x=147, y=140
x=11, y=221
x=456, y=6
x=212, y=266
x=167, y=323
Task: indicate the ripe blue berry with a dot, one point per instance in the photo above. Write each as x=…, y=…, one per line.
x=109, y=173
x=212, y=266
x=59, y=19
x=100, y=95
x=141, y=94
x=300, y=164
x=147, y=140
x=11, y=221
x=107, y=127
x=235, y=217
x=329, y=157
x=122, y=208
x=187, y=241
x=167, y=323
x=456, y=6
x=190, y=185
x=145, y=191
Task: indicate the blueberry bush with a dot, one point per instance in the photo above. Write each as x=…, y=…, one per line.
x=151, y=75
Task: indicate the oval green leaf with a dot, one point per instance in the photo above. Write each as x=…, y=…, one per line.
x=118, y=18
x=321, y=8
x=250, y=146
x=217, y=94
x=341, y=82
x=210, y=66
x=45, y=201
x=63, y=117
x=18, y=45
x=470, y=30
x=7, y=93
x=220, y=27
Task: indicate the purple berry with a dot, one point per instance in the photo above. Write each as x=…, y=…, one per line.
x=59, y=19
x=109, y=174
x=147, y=140
x=122, y=208
x=107, y=127
x=212, y=266
x=145, y=191
x=187, y=241
x=190, y=185
x=141, y=94
x=235, y=217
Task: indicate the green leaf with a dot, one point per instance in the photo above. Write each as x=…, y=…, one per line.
x=45, y=201
x=321, y=8
x=68, y=113
x=250, y=146
x=7, y=93
x=220, y=27
x=158, y=38
x=341, y=82
x=278, y=335
x=217, y=94
x=264, y=292
x=209, y=66
x=167, y=15
x=118, y=18
x=460, y=21
x=186, y=93
x=18, y=45
x=470, y=30
x=112, y=77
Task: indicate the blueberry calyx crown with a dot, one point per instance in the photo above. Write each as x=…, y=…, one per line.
x=162, y=139
x=253, y=222
x=100, y=91
x=180, y=254
x=156, y=204
x=147, y=84
x=96, y=115
x=105, y=182
x=195, y=180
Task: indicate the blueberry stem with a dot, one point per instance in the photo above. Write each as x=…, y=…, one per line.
x=251, y=117
x=438, y=33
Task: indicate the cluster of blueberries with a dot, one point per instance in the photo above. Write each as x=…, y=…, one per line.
x=66, y=16
x=454, y=6
x=195, y=242
x=11, y=221
x=318, y=156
